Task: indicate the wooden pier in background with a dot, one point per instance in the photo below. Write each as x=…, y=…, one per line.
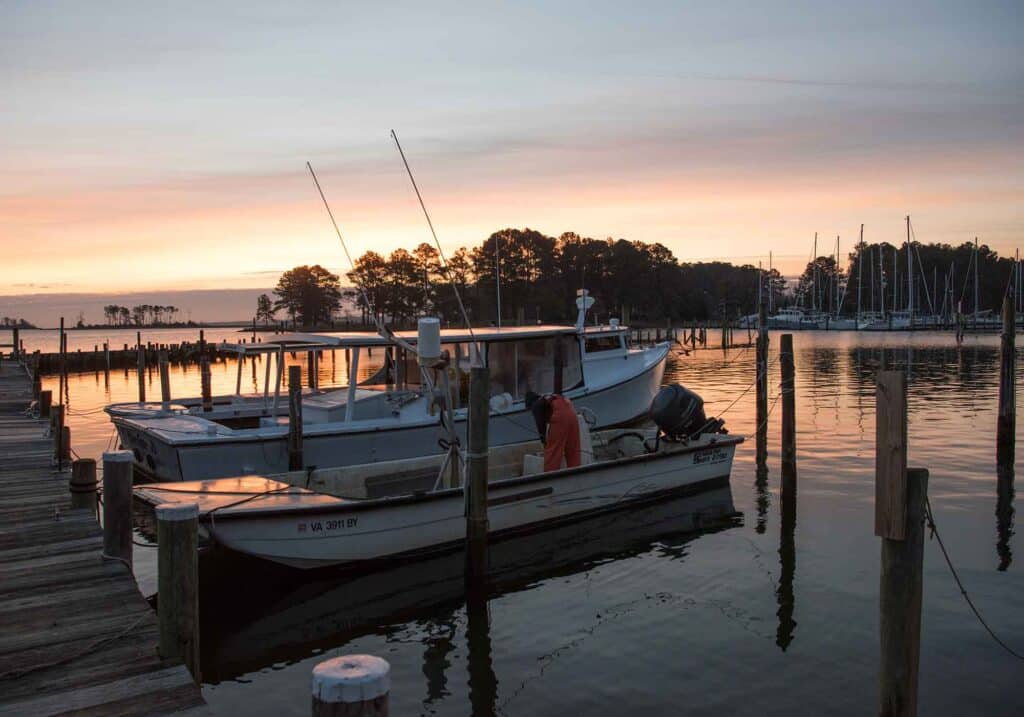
x=77, y=635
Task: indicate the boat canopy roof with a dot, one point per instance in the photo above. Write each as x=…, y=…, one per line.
x=353, y=339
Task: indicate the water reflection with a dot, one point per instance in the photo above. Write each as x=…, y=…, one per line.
x=255, y=614
x=787, y=561
x=1004, y=517
x=483, y=684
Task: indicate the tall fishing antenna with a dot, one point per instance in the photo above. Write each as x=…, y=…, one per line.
x=362, y=290
x=440, y=251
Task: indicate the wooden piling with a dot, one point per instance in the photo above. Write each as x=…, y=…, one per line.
x=178, y=583
x=295, y=418
x=141, y=368
x=57, y=434
x=476, y=473
x=165, y=377
x=45, y=403
x=37, y=383
x=1007, y=421
x=900, y=596
x=788, y=364
x=891, y=455
x=207, y=391
x=15, y=343
x=83, y=484
x=351, y=686
x=117, y=505
x=761, y=378
x=311, y=369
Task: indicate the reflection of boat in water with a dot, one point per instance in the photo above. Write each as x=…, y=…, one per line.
x=255, y=618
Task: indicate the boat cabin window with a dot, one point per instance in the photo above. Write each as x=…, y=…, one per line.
x=597, y=344
x=529, y=365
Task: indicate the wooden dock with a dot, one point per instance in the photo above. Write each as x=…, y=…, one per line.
x=76, y=635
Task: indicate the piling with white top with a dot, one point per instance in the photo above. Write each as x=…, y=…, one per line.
x=352, y=685
x=177, y=533
x=117, y=505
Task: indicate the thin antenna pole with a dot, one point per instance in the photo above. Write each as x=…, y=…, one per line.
x=497, y=272
x=860, y=268
x=910, y=275
x=771, y=284
x=444, y=261
x=814, y=276
x=344, y=248
x=976, y=257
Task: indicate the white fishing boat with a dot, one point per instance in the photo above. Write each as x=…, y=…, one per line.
x=357, y=515
x=392, y=414
x=797, y=319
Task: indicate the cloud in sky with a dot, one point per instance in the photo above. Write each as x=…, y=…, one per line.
x=170, y=142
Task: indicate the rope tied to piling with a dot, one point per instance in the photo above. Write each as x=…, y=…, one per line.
x=934, y=532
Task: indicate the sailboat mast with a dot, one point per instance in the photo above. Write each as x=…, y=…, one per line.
x=839, y=304
x=976, y=281
x=814, y=275
x=881, y=279
x=860, y=267
x=497, y=274
x=910, y=276
x=770, y=285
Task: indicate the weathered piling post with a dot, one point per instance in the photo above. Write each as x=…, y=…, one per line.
x=900, y=496
x=762, y=383
x=786, y=361
x=351, y=686
x=15, y=343
x=311, y=370
x=140, y=352
x=204, y=379
x=165, y=377
x=476, y=480
x=295, y=418
x=37, y=381
x=106, y=357
x=117, y=505
x=45, y=401
x=1007, y=421
x=83, y=484
x=62, y=348
x=177, y=533
x=57, y=434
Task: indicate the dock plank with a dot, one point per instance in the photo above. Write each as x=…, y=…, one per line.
x=77, y=636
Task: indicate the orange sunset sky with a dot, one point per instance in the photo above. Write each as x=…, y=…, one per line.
x=165, y=148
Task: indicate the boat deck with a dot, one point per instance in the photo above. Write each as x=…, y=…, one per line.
x=234, y=495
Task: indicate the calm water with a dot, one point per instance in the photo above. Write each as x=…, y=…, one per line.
x=643, y=609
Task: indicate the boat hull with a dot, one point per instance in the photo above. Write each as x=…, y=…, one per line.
x=361, y=532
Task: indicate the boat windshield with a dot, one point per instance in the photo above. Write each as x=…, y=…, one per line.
x=520, y=366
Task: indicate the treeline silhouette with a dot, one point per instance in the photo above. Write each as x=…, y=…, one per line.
x=540, y=276
x=640, y=282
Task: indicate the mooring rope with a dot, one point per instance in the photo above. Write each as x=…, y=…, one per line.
x=930, y=519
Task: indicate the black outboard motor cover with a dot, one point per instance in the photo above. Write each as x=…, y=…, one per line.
x=679, y=413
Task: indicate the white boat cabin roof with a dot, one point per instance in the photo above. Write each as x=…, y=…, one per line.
x=311, y=342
